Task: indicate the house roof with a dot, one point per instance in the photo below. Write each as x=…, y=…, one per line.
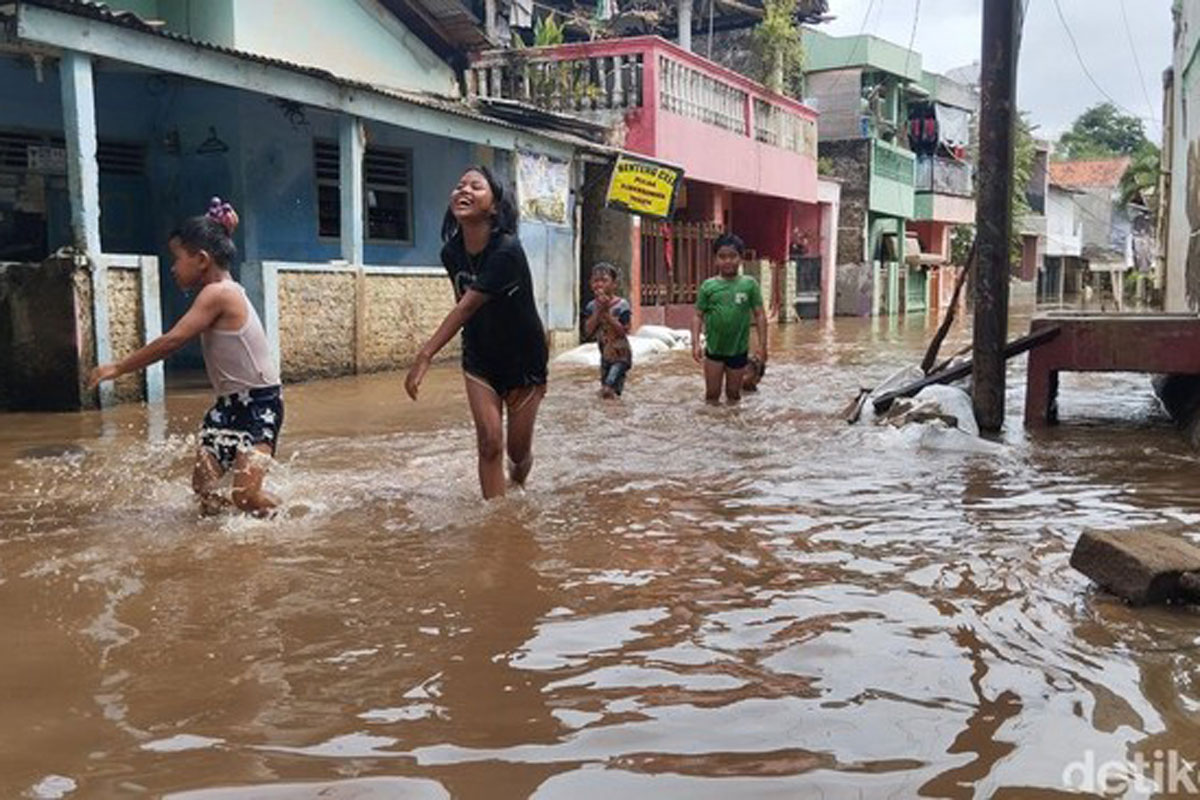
x=1105, y=173
x=100, y=12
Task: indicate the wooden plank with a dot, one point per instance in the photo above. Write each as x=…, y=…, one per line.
x=1013, y=348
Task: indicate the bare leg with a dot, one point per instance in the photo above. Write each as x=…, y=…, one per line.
x=733, y=384
x=522, y=414
x=713, y=372
x=249, y=469
x=486, y=409
x=205, y=477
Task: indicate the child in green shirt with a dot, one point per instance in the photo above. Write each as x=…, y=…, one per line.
x=724, y=307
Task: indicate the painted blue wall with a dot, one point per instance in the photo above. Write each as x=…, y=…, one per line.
x=267, y=173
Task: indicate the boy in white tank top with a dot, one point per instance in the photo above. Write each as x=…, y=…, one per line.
x=241, y=431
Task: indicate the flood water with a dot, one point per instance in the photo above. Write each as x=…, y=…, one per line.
x=688, y=602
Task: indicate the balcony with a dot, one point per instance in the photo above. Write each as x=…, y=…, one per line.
x=945, y=190
x=944, y=176
x=892, y=170
x=667, y=103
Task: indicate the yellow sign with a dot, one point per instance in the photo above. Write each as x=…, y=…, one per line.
x=643, y=187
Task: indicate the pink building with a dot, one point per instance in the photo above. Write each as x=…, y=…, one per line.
x=749, y=157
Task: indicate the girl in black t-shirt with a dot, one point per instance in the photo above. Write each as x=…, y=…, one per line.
x=504, y=350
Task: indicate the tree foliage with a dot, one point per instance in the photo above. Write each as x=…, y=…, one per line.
x=547, y=32
x=1142, y=174
x=1024, y=155
x=1103, y=132
x=779, y=48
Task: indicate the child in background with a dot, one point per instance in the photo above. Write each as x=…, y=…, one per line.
x=241, y=431
x=607, y=318
x=725, y=306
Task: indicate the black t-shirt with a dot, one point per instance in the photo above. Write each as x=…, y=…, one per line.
x=504, y=341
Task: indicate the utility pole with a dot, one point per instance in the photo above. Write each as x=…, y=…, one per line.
x=685, y=24
x=993, y=216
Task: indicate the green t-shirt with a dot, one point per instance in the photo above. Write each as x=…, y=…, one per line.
x=728, y=307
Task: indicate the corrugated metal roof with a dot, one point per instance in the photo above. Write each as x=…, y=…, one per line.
x=101, y=12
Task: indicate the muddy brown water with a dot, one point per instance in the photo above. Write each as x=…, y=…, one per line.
x=687, y=602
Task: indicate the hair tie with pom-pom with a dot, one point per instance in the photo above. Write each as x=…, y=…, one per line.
x=223, y=213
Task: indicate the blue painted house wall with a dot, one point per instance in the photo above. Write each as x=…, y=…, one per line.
x=267, y=172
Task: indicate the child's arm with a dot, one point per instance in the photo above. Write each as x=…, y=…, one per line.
x=209, y=305
x=760, y=323
x=622, y=319
x=697, y=328
x=472, y=300
x=593, y=321
x=604, y=318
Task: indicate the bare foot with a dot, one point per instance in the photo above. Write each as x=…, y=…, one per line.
x=517, y=473
x=212, y=504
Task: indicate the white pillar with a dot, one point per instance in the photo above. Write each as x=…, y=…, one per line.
x=83, y=174
x=828, y=239
x=151, y=327
x=685, y=24
x=489, y=19
x=83, y=184
x=352, y=143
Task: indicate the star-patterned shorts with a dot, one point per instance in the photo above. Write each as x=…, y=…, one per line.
x=240, y=421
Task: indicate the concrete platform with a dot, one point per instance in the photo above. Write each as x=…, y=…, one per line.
x=1152, y=343
x=1142, y=567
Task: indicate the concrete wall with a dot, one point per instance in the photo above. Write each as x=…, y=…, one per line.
x=705, y=202
x=316, y=324
x=1181, y=155
x=890, y=196
x=852, y=290
x=743, y=163
x=126, y=332
x=357, y=39
x=343, y=321
x=837, y=95
x=1063, y=231
x=762, y=271
x=401, y=314
x=1096, y=212
x=607, y=235
x=47, y=334
x=40, y=337
x=851, y=159
x=824, y=52
x=764, y=223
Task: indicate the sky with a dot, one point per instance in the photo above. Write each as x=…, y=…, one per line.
x=1052, y=85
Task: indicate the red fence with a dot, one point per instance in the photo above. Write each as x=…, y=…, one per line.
x=676, y=258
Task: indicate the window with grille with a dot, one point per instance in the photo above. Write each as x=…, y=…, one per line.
x=22, y=151
x=387, y=184
x=325, y=164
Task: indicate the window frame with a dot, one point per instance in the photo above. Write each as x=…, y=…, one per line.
x=320, y=181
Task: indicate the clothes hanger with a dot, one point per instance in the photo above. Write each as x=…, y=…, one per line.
x=212, y=144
